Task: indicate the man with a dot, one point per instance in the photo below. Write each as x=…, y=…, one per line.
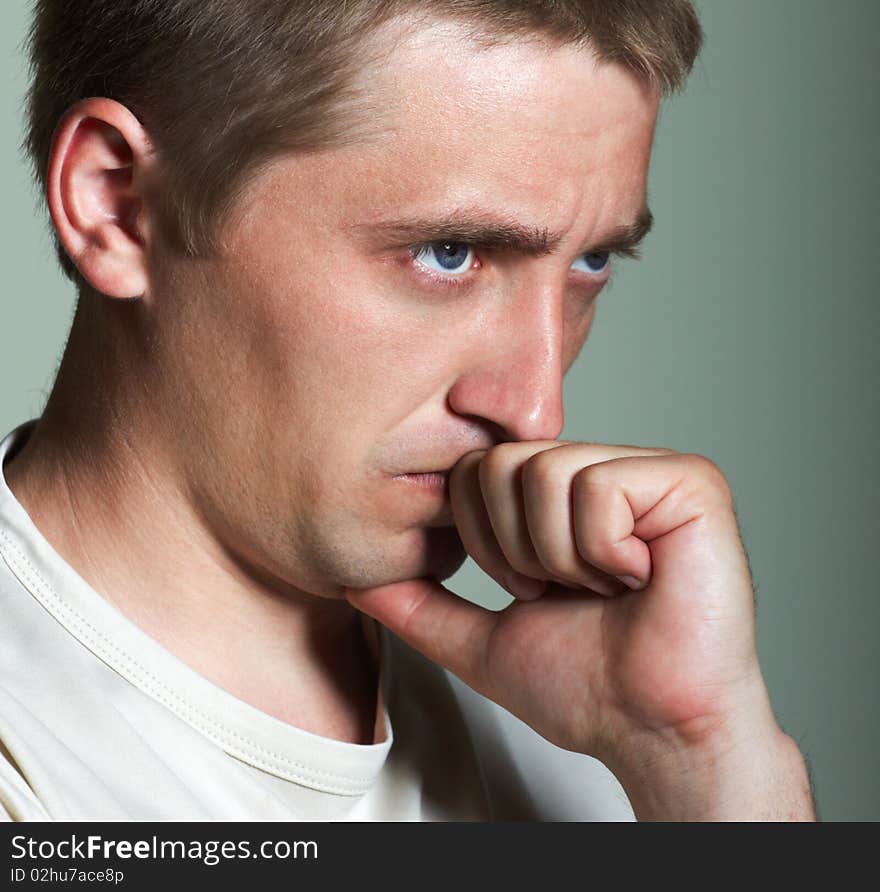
x=332, y=269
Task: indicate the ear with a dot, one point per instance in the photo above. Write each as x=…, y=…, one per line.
x=100, y=159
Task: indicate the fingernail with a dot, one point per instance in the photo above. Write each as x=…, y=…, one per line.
x=631, y=582
x=524, y=587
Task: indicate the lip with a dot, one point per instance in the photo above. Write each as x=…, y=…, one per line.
x=434, y=484
x=437, y=480
x=432, y=488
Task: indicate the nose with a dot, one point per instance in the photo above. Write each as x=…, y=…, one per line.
x=513, y=374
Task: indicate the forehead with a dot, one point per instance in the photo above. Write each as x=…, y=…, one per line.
x=536, y=132
x=410, y=63
x=532, y=122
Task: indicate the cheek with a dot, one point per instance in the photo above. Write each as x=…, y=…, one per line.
x=343, y=361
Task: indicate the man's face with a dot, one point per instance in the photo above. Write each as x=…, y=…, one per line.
x=322, y=357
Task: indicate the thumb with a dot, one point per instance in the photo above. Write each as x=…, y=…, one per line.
x=436, y=622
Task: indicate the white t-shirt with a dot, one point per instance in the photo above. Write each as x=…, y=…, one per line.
x=98, y=721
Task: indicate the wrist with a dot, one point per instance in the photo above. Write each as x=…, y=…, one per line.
x=747, y=769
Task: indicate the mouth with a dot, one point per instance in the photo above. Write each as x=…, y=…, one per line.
x=430, y=490
x=431, y=480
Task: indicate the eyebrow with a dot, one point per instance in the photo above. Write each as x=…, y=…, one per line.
x=489, y=231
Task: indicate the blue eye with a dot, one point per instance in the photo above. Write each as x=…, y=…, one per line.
x=592, y=263
x=449, y=258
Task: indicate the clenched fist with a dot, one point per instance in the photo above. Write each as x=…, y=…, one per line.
x=632, y=637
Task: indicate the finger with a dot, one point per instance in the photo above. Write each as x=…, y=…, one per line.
x=620, y=505
x=447, y=629
x=501, y=489
x=527, y=490
x=476, y=533
x=552, y=537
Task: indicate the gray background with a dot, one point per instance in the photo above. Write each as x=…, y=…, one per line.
x=747, y=333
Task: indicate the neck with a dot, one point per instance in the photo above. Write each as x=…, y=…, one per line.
x=100, y=482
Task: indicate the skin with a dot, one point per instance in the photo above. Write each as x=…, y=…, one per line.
x=253, y=412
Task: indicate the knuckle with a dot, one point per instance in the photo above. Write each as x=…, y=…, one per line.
x=494, y=462
x=592, y=479
x=710, y=475
x=469, y=459
x=541, y=473
x=504, y=453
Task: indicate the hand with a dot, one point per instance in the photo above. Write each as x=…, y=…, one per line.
x=659, y=670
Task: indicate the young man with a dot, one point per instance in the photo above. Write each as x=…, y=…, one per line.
x=332, y=270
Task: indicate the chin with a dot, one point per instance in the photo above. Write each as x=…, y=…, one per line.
x=373, y=560
x=432, y=553
x=429, y=552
